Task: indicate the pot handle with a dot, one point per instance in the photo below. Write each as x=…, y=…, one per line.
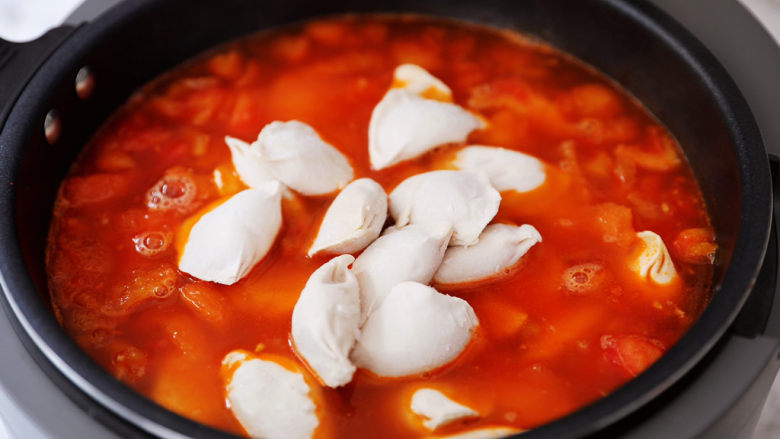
x=20, y=61
x=89, y=10
x=754, y=318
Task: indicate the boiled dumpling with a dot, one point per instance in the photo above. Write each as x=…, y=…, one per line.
x=299, y=158
x=437, y=409
x=326, y=320
x=411, y=253
x=419, y=81
x=464, y=199
x=353, y=220
x=405, y=124
x=294, y=154
x=226, y=242
x=249, y=163
x=268, y=400
x=499, y=247
x=291, y=153
x=506, y=169
x=654, y=262
x=416, y=329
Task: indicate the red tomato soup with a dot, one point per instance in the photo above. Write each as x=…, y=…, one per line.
x=569, y=325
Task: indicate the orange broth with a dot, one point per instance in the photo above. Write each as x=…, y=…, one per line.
x=567, y=326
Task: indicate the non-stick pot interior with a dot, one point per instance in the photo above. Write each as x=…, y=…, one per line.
x=638, y=47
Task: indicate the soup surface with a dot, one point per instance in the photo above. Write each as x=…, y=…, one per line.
x=569, y=325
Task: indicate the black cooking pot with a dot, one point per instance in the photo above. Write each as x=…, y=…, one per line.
x=45, y=122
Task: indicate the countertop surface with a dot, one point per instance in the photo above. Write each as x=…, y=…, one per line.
x=25, y=20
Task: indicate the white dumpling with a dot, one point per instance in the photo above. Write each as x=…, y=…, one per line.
x=500, y=246
x=464, y=199
x=326, y=321
x=297, y=156
x=506, y=169
x=419, y=81
x=225, y=243
x=437, y=409
x=249, y=164
x=353, y=220
x=411, y=253
x=268, y=400
x=654, y=262
x=405, y=124
x=416, y=329
x=482, y=433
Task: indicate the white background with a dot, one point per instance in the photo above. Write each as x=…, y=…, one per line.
x=22, y=20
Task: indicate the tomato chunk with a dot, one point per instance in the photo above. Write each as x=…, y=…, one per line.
x=327, y=32
x=519, y=97
x=695, y=246
x=291, y=48
x=204, y=300
x=633, y=353
x=127, y=362
x=227, y=65
x=616, y=224
x=593, y=100
x=96, y=188
x=145, y=285
x=505, y=319
x=660, y=156
x=115, y=161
